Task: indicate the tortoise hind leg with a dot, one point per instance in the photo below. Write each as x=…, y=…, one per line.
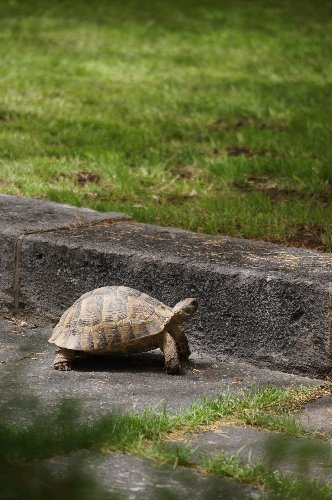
x=63, y=359
x=171, y=354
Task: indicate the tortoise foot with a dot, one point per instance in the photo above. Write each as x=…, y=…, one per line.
x=174, y=369
x=62, y=366
x=63, y=360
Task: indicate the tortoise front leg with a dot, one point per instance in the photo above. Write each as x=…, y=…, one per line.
x=171, y=354
x=181, y=342
x=63, y=359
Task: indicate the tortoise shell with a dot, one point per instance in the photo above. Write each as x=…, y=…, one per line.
x=110, y=316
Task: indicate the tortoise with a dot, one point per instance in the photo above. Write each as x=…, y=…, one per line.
x=121, y=320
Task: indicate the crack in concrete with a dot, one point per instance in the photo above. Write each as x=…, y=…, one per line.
x=32, y=355
x=14, y=360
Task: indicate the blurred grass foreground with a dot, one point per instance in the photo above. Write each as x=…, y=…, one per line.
x=213, y=116
x=47, y=452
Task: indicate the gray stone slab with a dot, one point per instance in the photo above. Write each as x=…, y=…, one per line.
x=247, y=443
x=317, y=415
x=258, y=302
x=21, y=216
x=136, y=478
x=126, y=383
x=286, y=454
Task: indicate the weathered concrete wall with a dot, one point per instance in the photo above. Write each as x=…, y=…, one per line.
x=258, y=302
x=22, y=216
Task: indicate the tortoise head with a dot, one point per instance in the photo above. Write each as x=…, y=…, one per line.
x=185, y=309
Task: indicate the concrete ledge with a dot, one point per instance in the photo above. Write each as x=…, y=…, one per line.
x=259, y=302
x=22, y=216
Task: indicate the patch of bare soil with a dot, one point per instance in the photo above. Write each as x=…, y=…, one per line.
x=270, y=187
x=256, y=182
x=81, y=177
x=245, y=151
x=179, y=198
x=247, y=122
x=184, y=171
x=304, y=236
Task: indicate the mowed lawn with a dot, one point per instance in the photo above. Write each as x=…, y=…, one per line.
x=213, y=115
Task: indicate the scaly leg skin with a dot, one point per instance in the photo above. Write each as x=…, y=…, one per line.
x=63, y=360
x=181, y=342
x=171, y=354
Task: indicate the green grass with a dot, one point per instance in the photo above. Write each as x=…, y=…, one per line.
x=269, y=408
x=210, y=116
x=262, y=476
x=24, y=448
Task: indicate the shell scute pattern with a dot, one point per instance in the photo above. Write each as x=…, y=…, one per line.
x=109, y=316
x=89, y=309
